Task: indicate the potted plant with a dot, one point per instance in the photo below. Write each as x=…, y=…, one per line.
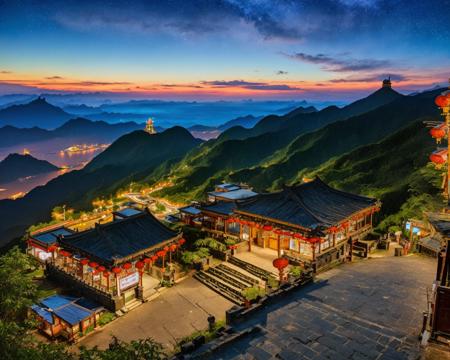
x=251, y=294
x=294, y=273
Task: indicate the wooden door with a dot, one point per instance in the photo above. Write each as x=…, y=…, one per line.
x=442, y=311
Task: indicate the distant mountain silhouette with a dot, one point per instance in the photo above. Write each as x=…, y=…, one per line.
x=97, y=131
x=35, y=113
x=273, y=157
x=245, y=121
x=16, y=166
x=131, y=157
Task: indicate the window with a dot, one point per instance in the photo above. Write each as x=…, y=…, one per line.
x=294, y=245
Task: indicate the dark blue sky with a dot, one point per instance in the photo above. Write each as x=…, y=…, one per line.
x=223, y=49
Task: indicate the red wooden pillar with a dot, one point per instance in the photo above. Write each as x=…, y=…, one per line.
x=279, y=245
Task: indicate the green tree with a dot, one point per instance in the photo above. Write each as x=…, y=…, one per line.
x=145, y=349
x=17, y=290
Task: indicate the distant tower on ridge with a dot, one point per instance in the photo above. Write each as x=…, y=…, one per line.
x=149, y=126
x=387, y=83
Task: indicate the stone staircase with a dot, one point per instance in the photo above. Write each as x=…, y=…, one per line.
x=133, y=304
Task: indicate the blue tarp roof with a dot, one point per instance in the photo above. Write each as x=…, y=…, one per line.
x=42, y=312
x=190, y=210
x=128, y=212
x=235, y=194
x=88, y=304
x=49, y=237
x=70, y=309
x=228, y=187
x=56, y=301
x=72, y=313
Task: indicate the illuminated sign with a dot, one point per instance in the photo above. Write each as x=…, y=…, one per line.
x=128, y=281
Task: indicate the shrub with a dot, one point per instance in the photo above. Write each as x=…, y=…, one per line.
x=253, y=293
x=106, y=318
x=296, y=271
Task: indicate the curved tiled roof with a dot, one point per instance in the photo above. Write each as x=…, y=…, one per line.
x=121, y=239
x=308, y=205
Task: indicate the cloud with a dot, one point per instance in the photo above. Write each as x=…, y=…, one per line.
x=370, y=78
x=281, y=72
x=5, y=72
x=54, y=78
x=340, y=64
x=250, y=85
x=181, y=86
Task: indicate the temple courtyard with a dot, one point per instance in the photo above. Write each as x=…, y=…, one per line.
x=369, y=309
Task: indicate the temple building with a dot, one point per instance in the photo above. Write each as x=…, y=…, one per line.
x=311, y=223
x=117, y=262
x=40, y=244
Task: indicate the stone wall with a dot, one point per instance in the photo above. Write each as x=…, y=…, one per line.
x=81, y=288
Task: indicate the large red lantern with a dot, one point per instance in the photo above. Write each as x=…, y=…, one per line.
x=267, y=228
x=105, y=273
x=84, y=261
x=314, y=240
x=65, y=253
x=442, y=101
x=139, y=265
x=147, y=260
x=278, y=231
x=126, y=266
x=181, y=241
x=439, y=157
x=438, y=132
x=154, y=258
x=280, y=263
x=333, y=229
x=101, y=268
x=116, y=270
x=161, y=253
x=93, y=264
x=172, y=247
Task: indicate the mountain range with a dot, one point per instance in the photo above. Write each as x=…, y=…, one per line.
x=16, y=166
x=128, y=159
x=377, y=131
x=38, y=111
x=94, y=131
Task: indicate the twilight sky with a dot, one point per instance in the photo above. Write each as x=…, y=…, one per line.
x=223, y=49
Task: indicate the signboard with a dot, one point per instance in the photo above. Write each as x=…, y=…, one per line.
x=128, y=281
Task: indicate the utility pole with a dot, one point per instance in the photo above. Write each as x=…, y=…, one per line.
x=64, y=212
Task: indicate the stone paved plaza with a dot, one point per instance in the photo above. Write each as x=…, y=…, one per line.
x=365, y=310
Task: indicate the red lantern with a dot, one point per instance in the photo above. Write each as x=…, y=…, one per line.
x=441, y=101
x=139, y=265
x=172, y=247
x=52, y=248
x=439, y=157
x=105, y=273
x=438, y=132
x=166, y=248
x=84, y=261
x=147, y=260
x=65, y=253
x=333, y=229
x=101, y=268
x=280, y=263
x=154, y=258
x=298, y=236
x=314, y=240
x=93, y=264
x=267, y=228
x=181, y=241
x=161, y=253
x=116, y=270
x=126, y=266
x=278, y=231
